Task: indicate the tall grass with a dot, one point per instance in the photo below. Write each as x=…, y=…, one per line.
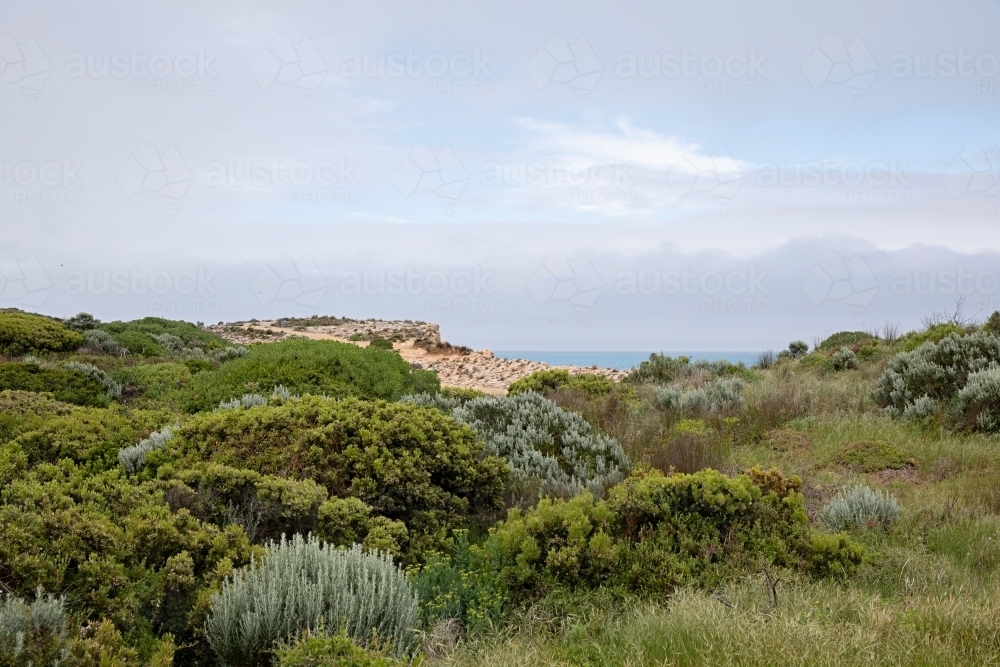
x=812, y=624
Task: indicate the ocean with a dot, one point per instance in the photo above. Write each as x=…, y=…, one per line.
x=620, y=360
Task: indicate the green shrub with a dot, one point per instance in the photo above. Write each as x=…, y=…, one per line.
x=310, y=367
x=549, y=450
x=265, y=506
x=154, y=382
x=199, y=365
x=932, y=334
x=834, y=554
x=798, y=348
x=545, y=381
x=936, y=371
x=306, y=586
x=92, y=372
x=848, y=339
x=189, y=334
x=137, y=343
x=82, y=322
x=860, y=507
x=992, y=324
x=22, y=411
x=65, y=384
x=463, y=585
x=22, y=333
x=871, y=456
x=330, y=651
x=379, y=343
x=113, y=548
x=654, y=533
x=90, y=437
x=661, y=369
x=461, y=393
x=407, y=463
x=133, y=457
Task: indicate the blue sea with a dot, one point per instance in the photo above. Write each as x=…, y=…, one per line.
x=620, y=360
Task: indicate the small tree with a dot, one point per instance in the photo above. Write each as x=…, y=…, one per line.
x=798, y=348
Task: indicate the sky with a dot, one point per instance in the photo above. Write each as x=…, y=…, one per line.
x=568, y=176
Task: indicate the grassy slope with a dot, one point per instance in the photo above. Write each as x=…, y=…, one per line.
x=929, y=592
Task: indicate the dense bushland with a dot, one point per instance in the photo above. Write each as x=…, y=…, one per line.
x=68, y=385
x=325, y=368
x=167, y=498
x=412, y=466
x=23, y=333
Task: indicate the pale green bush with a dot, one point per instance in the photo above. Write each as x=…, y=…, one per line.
x=91, y=372
x=230, y=353
x=860, y=507
x=133, y=457
x=550, y=451
x=843, y=359
x=35, y=633
x=720, y=397
x=934, y=370
x=306, y=586
x=979, y=399
x=280, y=392
x=921, y=408
x=245, y=401
x=98, y=341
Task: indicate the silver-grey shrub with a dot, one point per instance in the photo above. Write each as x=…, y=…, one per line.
x=30, y=632
x=305, y=585
x=550, y=449
x=280, y=392
x=844, y=358
x=245, y=401
x=230, y=353
x=101, y=342
x=133, y=457
x=170, y=343
x=722, y=396
x=934, y=370
x=92, y=372
x=979, y=399
x=860, y=507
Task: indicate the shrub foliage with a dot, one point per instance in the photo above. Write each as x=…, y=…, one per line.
x=310, y=367
x=407, y=463
x=306, y=586
x=21, y=333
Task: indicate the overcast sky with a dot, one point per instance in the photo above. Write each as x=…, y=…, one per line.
x=585, y=175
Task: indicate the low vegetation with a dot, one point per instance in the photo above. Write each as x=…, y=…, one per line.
x=168, y=498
